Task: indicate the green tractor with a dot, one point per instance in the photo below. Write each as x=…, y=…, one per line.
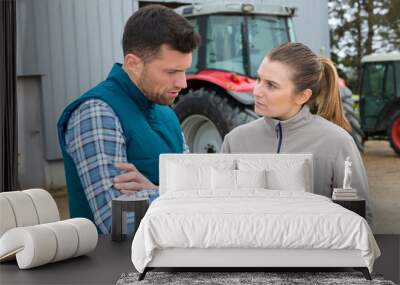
x=235, y=38
x=380, y=98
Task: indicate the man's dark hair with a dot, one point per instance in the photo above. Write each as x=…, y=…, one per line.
x=154, y=25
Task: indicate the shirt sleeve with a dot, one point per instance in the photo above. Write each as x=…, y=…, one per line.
x=359, y=179
x=95, y=141
x=185, y=146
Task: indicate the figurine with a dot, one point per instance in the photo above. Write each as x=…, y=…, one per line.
x=347, y=174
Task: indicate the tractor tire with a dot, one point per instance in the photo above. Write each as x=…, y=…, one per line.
x=356, y=131
x=393, y=132
x=206, y=117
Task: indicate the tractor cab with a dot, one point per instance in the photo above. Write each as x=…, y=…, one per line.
x=235, y=38
x=380, y=97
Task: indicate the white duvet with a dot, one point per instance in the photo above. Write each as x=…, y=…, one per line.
x=254, y=218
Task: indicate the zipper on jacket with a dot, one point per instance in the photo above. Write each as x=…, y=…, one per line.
x=278, y=130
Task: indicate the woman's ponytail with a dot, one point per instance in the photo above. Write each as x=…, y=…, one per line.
x=329, y=102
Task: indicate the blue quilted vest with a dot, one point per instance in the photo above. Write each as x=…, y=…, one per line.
x=149, y=129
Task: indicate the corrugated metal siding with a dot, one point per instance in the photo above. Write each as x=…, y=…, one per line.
x=27, y=60
x=73, y=44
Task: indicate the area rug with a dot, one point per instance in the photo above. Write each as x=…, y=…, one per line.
x=243, y=278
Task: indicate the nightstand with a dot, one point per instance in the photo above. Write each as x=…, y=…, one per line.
x=357, y=206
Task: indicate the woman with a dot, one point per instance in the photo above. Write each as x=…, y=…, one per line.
x=291, y=81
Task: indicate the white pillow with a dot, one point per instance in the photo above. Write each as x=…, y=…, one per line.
x=251, y=178
x=227, y=179
x=223, y=179
x=188, y=177
x=292, y=177
x=281, y=174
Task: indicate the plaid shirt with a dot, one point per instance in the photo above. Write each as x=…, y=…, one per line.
x=95, y=141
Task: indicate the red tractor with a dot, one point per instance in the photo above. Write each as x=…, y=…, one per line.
x=235, y=38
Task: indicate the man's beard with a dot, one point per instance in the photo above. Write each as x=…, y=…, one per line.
x=153, y=95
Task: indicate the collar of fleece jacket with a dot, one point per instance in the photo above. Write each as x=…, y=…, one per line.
x=302, y=118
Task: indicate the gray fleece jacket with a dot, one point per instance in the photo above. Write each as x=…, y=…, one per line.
x=305, y=133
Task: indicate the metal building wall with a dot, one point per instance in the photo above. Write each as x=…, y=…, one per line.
x=72, y=45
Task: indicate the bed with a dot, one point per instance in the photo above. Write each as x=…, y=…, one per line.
x=247, y=210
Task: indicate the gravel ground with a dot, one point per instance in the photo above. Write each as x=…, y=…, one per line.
x=383, y=169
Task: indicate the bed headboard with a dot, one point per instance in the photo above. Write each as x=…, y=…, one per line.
x=280, y=163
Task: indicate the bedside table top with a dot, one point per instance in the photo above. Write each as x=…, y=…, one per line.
x=129, y=198
x=348, y=200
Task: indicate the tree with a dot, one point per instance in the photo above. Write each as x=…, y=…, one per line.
x=361, y=27
x=390, y=20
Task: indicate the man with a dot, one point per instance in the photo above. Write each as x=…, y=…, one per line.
x=111, y=136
